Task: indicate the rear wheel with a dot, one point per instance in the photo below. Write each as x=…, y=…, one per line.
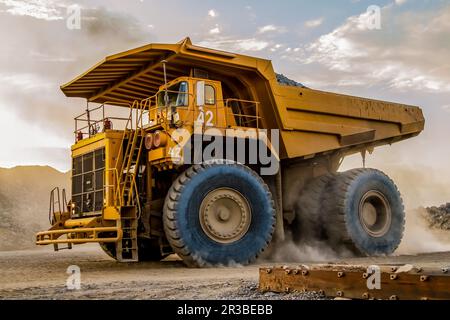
x=308, y=223
x=109, y=249
x=365, y=212
x=219, y=214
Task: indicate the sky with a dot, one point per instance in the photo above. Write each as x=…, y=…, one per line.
x=324, y=44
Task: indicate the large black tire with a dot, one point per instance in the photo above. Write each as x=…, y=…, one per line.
x=194, y=240
x=308, y=223
x=148, y=250
x=109, y=249
x=365, y=212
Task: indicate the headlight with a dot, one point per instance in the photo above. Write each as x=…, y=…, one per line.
x=160, y=139
x=149, y=141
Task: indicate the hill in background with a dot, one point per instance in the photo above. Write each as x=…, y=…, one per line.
x=24, y=203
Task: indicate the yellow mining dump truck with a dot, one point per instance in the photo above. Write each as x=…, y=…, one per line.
x=213, y=156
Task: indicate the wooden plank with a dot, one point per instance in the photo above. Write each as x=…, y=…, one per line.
x=352, y=282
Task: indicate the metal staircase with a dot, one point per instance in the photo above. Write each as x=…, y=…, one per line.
x=127, y=193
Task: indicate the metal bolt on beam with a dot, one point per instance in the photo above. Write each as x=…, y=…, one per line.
x=394, y=277
x=424, y=278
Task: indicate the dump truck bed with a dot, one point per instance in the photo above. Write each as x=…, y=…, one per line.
x=315, y=121
x=311, y=121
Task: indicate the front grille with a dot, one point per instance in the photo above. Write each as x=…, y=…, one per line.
x=87, y=183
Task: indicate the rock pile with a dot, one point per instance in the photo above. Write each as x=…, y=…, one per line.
x=439, y=217
x=282, y=79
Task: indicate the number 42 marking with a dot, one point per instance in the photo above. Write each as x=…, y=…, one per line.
x=209, y=115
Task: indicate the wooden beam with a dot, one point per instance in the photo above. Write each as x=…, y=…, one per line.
x=346, y=281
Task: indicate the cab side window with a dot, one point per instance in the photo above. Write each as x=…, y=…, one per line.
x=210, y=95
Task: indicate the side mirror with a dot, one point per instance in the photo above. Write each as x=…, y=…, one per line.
x=200, y=97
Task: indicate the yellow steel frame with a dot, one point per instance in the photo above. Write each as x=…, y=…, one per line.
x=77, y=236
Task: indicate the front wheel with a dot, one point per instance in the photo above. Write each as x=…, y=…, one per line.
x=219, y=214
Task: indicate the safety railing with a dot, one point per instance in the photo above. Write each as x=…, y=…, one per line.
x=248, y=114
x=111, y=182
x=56, y=204
x=96, y=120
x=219, y=115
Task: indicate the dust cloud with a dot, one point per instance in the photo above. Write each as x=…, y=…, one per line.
x=310, y=251
x=420, y=237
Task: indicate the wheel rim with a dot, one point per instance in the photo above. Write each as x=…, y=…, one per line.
x=225, y=215
x=375, y=214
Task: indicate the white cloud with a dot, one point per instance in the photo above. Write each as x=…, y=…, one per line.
x=314, y=23
x=400, y=2
x=212, y=13
x=235, y=45
x=39, y=56
x=48, y=10
x=215, y=30
x=401, y=61
x=271, y=28
x=252, y=45
x=25, y=81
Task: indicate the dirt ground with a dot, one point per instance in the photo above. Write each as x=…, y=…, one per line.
x=41, y=274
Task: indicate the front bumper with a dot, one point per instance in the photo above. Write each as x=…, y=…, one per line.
x=79, y=236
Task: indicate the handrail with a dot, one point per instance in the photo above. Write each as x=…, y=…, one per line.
x=93, y=124
x=252, y=118
x=114, y=185
x=226, y=107
x=51, y=210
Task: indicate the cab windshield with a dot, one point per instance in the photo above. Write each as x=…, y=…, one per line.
x=177, y=96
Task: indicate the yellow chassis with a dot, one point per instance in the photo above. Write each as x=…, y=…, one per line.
x=76, y=236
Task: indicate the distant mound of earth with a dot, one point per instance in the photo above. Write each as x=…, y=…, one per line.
x=24, y=203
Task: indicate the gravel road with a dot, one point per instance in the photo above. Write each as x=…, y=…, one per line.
x=41, y=274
